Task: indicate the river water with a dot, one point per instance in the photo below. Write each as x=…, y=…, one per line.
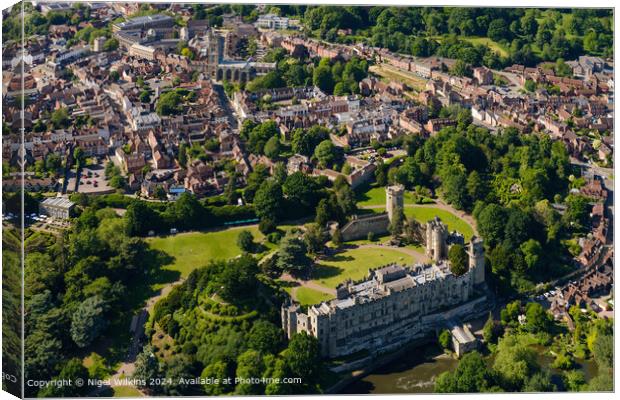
x=416, y=371
x=413, y=372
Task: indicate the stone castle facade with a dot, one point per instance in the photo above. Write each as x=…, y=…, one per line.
x=393, y=305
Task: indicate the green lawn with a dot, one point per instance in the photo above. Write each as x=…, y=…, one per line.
x=485, y=41
x=307, y=296
x=354, y=264
x=126, y=391
x=376, y=196
x=192, y=250
x=424, y=214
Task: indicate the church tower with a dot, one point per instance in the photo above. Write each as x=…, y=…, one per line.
x=214, y=52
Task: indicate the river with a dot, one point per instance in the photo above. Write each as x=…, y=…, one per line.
x=413, y=372
x=416, y=371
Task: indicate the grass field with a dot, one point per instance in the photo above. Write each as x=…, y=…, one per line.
x=192, y=250
x=126, y=391
x=493, y=45
x=354, y=264
x=424, y=214
x=307, y=296
x=376, y=196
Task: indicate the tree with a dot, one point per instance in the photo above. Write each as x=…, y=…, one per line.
x=268, y=200
x=538, y=320
x=509, y=314
x=337, y=237
x=577, y=212
x=146, y=368
x=491, y=222
x=60, y=118
x=327, y=154
x=489, y=331
x=458, y=259
x=323, y=79
x=292, y=253
x=532, y=251
x=529, y=85
x=216, y=371
x=539, y=382
x=518, y=228
x=322, y=213
x=237, y=278
x=445, y=339
x=169, y=103
x=460, y=68
x=110, y=44
x=515, y=362
x=245, y=241
x=114, y=76
x=305, y=141
x=454, y=185
x=603, y=351
x=145, y=96
x=470, y=376
x=249, y=365
x=498, y=30
x=301, y=189
x=303, y=358
x=272, y=148
x=315, y=238
x=187, y=52
x=475, y=186
x=265, y=337
x=72, y=371
x=574, y=381
x=88, y=322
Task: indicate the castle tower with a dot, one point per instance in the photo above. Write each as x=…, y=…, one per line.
x=436, y=240
x=394, y=199
x=476, y=259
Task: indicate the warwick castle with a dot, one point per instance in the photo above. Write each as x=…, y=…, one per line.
x=395, y=304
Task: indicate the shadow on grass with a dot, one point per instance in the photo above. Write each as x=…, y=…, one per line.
x=288, y=284
x=322, y=271
x=338, y=258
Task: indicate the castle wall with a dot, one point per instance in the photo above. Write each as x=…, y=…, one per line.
x=359, y=228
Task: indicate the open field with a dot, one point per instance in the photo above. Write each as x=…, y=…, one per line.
x=493, y=45
x=192, y=250
x=308, y=296
x=354, y=264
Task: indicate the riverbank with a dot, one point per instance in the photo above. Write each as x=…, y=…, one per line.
x=376, y=363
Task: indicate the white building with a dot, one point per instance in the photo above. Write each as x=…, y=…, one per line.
x=57, y=207
x=272, y=21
